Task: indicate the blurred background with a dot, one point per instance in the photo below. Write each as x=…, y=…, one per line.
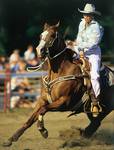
x=21, y=21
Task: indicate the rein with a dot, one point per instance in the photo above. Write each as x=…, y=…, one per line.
x=49, y=84
x=51, y=44
x=36, y=68
x=51, y=58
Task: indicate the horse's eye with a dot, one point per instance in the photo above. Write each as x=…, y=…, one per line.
x=53, y=35
x=40, y=36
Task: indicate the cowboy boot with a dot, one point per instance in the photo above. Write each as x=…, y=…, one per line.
x=95, y=106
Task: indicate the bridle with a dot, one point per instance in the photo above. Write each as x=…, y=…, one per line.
x=48, y=84
x=50, y=44
x=36, y=68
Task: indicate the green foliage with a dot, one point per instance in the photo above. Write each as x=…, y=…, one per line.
x=22, y=20
x=2, y=50
x=32, y=31
x=107, y=21
x=3, y=40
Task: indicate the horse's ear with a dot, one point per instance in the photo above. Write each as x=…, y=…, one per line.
x=46, y=25
x=57, y=25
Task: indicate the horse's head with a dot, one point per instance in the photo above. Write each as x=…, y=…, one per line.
x=47, y=38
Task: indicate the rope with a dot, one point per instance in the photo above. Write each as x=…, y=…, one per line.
x=36, y=68
x=49, y=84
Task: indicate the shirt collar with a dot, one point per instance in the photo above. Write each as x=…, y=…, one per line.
x=92, y=22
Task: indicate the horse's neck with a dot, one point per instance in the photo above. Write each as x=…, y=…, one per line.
x=55, y=65
x=59, y=66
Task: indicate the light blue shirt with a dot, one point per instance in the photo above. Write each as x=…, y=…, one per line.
x=89, y=37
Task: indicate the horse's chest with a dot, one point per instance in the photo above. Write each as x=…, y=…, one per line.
x=61, y=89
x=58, y=87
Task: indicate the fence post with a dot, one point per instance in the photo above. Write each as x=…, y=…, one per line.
x=5, y=96
x=7, y=89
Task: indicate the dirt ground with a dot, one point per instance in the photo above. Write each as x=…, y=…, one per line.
x=62, y=132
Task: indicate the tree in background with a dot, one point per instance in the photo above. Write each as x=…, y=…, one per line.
x=21, y=21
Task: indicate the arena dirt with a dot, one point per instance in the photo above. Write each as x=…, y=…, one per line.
x=63, y=133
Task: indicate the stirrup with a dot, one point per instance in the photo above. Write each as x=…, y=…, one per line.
x=96, y=109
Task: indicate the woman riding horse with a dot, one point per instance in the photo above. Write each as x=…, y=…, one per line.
x=88, y=39
x=63, y=87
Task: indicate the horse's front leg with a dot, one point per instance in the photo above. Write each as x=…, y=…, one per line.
x=40, y=123
x=20, y=131
x=44, y=109
x=26, y=125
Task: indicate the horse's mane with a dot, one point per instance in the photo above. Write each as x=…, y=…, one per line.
x=61, y=42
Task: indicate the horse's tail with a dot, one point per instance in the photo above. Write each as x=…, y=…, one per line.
x=109, y=69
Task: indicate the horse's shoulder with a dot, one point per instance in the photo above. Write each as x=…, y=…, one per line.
x=77, y=62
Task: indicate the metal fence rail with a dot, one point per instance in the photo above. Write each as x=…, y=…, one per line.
x=26, y=74
x=5, y=87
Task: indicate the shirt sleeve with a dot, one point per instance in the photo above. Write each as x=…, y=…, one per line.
x=78, y=38
x=93, y=39
x=80, y=30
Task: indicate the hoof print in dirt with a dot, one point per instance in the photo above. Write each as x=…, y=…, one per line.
x=74, y=143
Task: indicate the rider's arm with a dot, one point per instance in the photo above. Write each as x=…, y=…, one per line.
x=79, y=39
x=93, y=38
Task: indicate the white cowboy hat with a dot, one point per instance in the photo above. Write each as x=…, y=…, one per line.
x=89, y=9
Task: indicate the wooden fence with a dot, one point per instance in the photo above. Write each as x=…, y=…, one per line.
x=5, y=86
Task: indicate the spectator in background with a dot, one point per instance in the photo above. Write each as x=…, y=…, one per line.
x=19, y=84
x=1, y=67
x=29, y=54
x=13, y=60
x=21, y=66
x=3, y=60
x=32, y=62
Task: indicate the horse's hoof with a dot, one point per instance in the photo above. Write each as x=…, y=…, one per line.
x=95, y=115
x=81, y=132
x=44, y=133
x=7, y=143
x=84, y=134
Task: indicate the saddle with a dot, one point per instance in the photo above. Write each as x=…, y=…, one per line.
x=106, y=78
x=85, y=67
x=106, y=74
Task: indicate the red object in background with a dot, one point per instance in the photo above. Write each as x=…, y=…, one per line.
x=7, y=89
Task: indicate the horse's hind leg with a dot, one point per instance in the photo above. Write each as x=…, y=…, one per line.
x=94, y=124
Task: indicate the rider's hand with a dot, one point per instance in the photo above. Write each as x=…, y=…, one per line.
x=81, y=53
x=70, y=44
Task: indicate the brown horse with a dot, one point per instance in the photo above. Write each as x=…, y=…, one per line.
x=63, y=88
